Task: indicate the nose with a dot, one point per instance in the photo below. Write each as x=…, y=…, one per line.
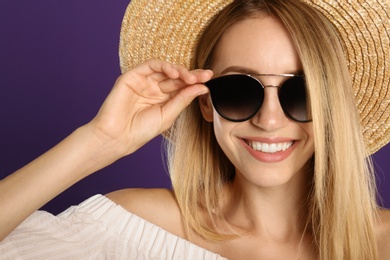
x=270, y=116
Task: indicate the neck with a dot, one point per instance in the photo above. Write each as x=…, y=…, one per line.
x=277, y=213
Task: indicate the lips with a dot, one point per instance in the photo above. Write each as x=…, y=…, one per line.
x=269, y=147
x=270, y=151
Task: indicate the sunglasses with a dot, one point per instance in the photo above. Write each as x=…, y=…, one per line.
x=238, y=97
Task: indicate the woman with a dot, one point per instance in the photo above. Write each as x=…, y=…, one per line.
x=280, y=176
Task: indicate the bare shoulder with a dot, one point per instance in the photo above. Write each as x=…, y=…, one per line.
x=383, y=234
x=158, y=206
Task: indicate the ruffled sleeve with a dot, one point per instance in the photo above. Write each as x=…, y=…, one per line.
x=96, y=229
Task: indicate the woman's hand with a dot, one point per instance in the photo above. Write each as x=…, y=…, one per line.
x=145, y=102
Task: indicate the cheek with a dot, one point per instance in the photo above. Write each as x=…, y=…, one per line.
x=222, y=129
x=219, y=129
x=308, y=129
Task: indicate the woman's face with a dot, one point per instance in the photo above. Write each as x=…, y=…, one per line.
x=261, y=46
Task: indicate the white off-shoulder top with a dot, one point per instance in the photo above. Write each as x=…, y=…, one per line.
x=96, y=229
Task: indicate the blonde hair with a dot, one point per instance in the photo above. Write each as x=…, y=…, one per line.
x=341, y=205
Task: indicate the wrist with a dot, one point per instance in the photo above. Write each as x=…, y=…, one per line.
x=98, y=148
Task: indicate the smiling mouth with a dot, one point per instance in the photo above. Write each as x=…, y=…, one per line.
x=269, y=147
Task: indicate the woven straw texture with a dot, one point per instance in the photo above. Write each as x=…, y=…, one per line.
x=168, y=30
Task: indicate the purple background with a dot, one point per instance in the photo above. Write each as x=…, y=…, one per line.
x=58, y=61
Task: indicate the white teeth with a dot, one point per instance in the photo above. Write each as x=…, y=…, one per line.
x=269, y=148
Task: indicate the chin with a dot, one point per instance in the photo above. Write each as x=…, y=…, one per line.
x=272, y=178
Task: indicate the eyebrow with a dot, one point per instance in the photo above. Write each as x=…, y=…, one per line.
x=239, y=69
x=245, y=70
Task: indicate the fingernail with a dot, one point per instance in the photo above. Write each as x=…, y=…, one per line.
x=203, y=91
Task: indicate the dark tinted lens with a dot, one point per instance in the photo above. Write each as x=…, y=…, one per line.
x=293, y=99
x=236, y=97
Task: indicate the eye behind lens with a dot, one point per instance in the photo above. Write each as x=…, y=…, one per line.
x=293, y=99
x=236, y=97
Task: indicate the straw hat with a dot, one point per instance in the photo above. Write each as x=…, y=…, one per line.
x=168, y=30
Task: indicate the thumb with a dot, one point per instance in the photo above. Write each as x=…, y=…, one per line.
x=179, y=102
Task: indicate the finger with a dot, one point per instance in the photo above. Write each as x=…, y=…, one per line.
x=178, y=103
x=154, y=66
x=174, y=71
x=203, y=75
x=162, y=68
x=162, y=71
x=172, y=85
x=158, y=70
x=194, y=76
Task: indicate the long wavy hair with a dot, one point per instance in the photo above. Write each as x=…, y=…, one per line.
x=341, y=205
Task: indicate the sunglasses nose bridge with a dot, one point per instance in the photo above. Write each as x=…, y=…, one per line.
x=270, y=86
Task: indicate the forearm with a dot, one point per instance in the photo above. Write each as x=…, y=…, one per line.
x=26, y=190
x=143, y=103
